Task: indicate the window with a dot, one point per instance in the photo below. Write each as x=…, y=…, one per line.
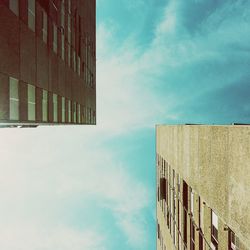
x=78, y=65
x=179, y=225
x=178, y=212
x=54, y=38
x=63, y=109
x=214, y=230
x=45, y=105
x=92, y=80
x=79, y=35
x=192, y=226
x=233, y=241
x=14, y=99
x=200, y=225
x=14, y=6
x=69, y=111
x=192, y=202
x=69, y=29
x=79, y=113
x=69, y=55
x=162, y=188
x=69, y=6
x=45, y=27
x=62, y=13
x=185, y=210
x=192, y=235
x=55, y=108
x=31, y=102
x=74, y=112
x=74, y=60
x=174, y=208
x=63, y=51
x=31, y=14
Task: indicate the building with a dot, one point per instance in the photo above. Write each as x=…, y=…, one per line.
x=203, y=187
x=47, y=62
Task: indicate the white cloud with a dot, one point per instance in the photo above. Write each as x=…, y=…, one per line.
x=128, y=94
x=26, y=235
x=126, y=98
x=135, y=231
x=169, y=20
x=38, y=183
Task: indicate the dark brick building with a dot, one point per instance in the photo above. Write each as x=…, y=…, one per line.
x=47, y=62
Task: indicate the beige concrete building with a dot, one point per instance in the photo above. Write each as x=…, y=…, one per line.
x=203, y=187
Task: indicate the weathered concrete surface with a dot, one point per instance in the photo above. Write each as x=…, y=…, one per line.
x=215, y=162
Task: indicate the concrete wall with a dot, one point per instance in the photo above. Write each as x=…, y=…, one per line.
x=215, y=162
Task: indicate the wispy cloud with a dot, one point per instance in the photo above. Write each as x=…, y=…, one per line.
x=207, y=53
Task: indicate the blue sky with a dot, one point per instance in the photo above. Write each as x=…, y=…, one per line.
x=93, y=187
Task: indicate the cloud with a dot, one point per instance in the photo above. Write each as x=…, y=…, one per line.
x=140, y=88
x=186, y=71
x=40, y=188
x=31, y=236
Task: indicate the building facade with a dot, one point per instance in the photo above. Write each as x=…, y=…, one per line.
x=47, y=62
x=203, y=187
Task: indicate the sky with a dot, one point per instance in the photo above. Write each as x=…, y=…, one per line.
x=93, y=187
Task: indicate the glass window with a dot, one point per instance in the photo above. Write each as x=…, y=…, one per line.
x=74, y=60
x=69, y=110
x=214, y=231
x=233, y=241
x=69, y=29
x=54, y=38
x=45, y=105
x=14, y=6
x=31, y=102
x=79, y=113
x=192, y=202
x=63, y=109
x=69, y=6
x=78, y=65
x=69, y=55
x=62, y=13
x=63, y=51
x=89, y=115
x=31, y=14
x=94, y=117
x=74, y=112
x=55, y=107
x=14, y=99
x=214, y=220
x=45, y=27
